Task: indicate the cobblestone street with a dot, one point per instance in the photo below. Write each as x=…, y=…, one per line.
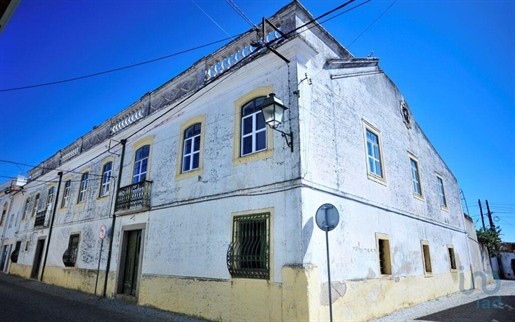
x=495, y=303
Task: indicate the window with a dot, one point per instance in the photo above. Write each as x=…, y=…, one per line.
x=253, y=127
x=83, y=187
x=27, y=245
x=452, y=258
x=383, y=249
x=441, y=192
x=191, y=148
x=70, y=254
x=139, y=172
x=415, y=177
x=35, y=208
x=248, y=255
x=106, y=179
x=66, y=194
x=374, y=154
x=50, y=198
x=26, y=209
x=426, y=257
x=4, y=211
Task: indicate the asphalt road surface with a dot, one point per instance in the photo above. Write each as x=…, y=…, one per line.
x=30, y=300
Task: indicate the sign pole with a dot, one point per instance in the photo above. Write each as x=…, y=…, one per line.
x=98, y=268
x=327, y=218
x=328, y=268
x=101, y=235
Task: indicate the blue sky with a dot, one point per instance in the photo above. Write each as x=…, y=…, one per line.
x=454, y=62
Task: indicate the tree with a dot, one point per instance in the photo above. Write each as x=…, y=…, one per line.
x=491, y=239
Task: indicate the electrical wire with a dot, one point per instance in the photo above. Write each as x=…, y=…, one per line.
x=371, y=24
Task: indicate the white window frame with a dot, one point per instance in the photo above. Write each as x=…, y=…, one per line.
x=83, y=187
x=50, y=196
x=66, y=194
x=105, y=180
x=26, y=210
x=253, y=133
x=138, y=175
x=416, y=183
x=377, y=160
x=441, y=192
x=189, y=166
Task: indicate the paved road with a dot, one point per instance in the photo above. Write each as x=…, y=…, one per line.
x=494, y=303
x=30, y=300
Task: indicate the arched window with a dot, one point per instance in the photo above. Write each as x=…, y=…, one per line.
x=66, y=194
x=83, y=187
x=191, y=148
x=26, y=209
x=139, y=172
x=253, y=127
x=35, y=208
x=106, y=179
x=50, y=198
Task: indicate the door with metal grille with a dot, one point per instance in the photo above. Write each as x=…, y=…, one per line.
x=131, y=265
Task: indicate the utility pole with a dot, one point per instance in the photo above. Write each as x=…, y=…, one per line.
x=481, y=211
x=492, y=227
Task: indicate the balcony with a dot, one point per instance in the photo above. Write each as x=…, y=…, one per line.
x=41, y=219
x=133, y=198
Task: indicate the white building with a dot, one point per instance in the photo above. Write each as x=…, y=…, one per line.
x=212, y=212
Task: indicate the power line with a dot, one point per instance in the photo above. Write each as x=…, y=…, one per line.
x=114, y=69
x=373, y=22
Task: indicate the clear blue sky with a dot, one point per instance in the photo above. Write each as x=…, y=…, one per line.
x=454, y=62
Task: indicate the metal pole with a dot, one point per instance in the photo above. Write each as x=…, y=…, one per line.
x=481, y=211
x=98, y=268
x=60, y=173
x=328, y=268
x=111, y=235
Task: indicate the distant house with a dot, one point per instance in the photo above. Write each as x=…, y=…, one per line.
x=193, y=204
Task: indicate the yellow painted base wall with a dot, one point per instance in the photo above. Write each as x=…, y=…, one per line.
x=20, y=270
x=367, y=299
x=78, y=279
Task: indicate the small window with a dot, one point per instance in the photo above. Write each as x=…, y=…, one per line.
x=4, y=212
x=66, y=194
x=139, y=172
x=35, y=208
x=191, y=148
x=70, y=254
x=249, y=252
x=106, y=179
x=50, y=198
x=374, y=154
x=83, y=187
x=441, y=192
x=385, y=263
x=427, y=258
x=452, y=258
x=27, y=245
x=415, y=177
x=253, y=127
x=26, y=209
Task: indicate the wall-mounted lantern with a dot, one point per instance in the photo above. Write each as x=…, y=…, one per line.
x=273, y=113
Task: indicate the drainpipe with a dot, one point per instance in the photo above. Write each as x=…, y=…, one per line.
x=60, y=173
x=111, y=237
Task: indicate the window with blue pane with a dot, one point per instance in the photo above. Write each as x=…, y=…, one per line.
x=253, y=127
x=374, y=154
x=83, y=187
x=191, y=148
x=139, y=172
x=415, y=177
x=106, y=179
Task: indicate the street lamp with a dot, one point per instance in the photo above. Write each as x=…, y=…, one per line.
x=273, y=113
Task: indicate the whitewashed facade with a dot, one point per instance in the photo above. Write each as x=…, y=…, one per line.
x=179, y=212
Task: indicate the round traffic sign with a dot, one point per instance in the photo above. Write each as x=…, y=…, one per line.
x=102, y=232
x=327, y=217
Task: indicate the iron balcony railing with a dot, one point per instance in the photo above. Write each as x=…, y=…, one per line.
x=40, y=219
x=134, y=197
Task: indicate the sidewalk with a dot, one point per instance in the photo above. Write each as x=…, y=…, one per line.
x=478, y=299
